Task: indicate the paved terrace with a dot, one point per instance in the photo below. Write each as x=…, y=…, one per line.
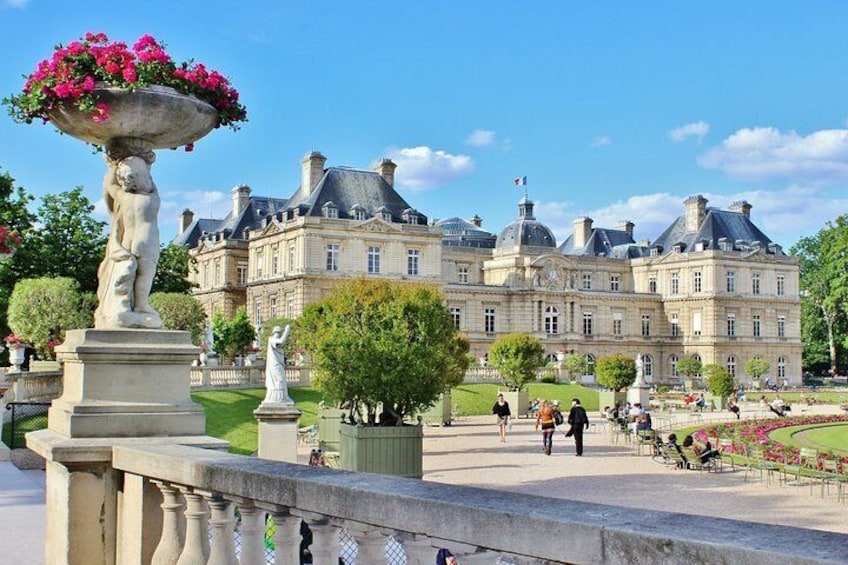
x=469, y=453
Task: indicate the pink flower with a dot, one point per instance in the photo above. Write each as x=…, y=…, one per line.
x=100, y=113
x=189, y=147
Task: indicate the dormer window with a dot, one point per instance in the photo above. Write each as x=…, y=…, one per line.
x=330, y=210
x=357, y=212
x=410, y=216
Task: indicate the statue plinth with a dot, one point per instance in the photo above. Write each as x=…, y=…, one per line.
x=278, y=425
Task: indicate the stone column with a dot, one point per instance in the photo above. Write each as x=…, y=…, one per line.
x=278, y=423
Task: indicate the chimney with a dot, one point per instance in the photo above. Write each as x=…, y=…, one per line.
x=741, y=206
x=477, y=220
x=186, y=218
x=241, y=196
x=386, y=168
x=312, y=169
x=626, y=226
x=695, y=208
x=582, y=232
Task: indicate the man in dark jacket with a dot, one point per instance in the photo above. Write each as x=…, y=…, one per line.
x=579, y=421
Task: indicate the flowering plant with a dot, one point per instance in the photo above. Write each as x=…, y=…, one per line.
x=9, y=241
x=253, y=349
x=204, y=347
x=50, y=347
x=14, y=340
x=72, y=74
x=563, y=349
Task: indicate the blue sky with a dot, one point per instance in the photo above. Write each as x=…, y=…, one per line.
x=616, y=110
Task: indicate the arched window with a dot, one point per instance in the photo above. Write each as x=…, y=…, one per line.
x=673, y=362
x=781, y=367
x=731, y=366
x=647, y=366
x=551, y=320
x=551, y=358
x=590, y=364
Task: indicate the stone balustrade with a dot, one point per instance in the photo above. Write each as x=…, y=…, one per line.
x=186, y=492
x=229, y=376
x=33, y=386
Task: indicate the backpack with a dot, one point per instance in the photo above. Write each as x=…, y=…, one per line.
x=558, y=419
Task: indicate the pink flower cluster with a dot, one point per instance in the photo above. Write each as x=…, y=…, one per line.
x=9, y=240
x=73, y=72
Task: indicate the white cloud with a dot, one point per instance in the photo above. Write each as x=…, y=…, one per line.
x=15, y=3
x=480, y=138
x=765, y=153
x=421, y=168
x=204, y=203
x=602, y=141
x=784, y=215
x=695, y=129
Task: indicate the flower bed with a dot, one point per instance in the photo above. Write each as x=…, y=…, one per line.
x=756, y=433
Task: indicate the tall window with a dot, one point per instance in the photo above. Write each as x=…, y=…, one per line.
x=675, y=283
x=587, y=323
x=272, y=307
x=456, y=316
x=672, y=361
x=781, y=285
x=332, y=256
x=241, y=271
x=652, y=284
x=373, y=260
x=462, y=275
x=587, y=281
x=218, y=280
x=675, y=324
x=260, y=259
x=781, y=326
x=696, y=323
x=291, y=258
x=647, y=365
x=258, y=310
x=696, y=281
x=755, y=283
x=275, y=262
x=412, y=256
x=646, y=325
x=616, y=323
x=551, y=320
x=757, y=326
x=589, y=360
x=781, y=367
x=731, y=366
x=731, y=281
x=731, y=324
x=615, y=283
x=290, y=307
x=489, y=320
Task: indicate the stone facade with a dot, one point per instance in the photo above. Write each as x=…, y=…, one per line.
x=711, y=285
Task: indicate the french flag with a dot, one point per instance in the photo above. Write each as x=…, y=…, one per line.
x=520, y=181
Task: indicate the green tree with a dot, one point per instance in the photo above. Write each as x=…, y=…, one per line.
x=574, y=365
x=69, y=240
x=232, y=337
x=180, y=312
x=719, y=380
x=172, y=272
x=689, y=366
x=757, y=367
x=615, y=372
x=517, y=356
x=268, y=325
x=41, y=310
x=460, y=361
x=383, y=343
x=15, y=215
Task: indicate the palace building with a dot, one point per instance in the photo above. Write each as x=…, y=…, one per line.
x=712, y=285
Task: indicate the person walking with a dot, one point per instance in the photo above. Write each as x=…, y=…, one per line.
x=545, y=418
x=501, y=410
x=578, y=420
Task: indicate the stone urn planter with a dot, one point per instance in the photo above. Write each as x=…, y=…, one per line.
x=388, y=450
x=17, y=354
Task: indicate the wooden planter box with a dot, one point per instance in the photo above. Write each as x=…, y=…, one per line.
x=390, y=450
x=329, y=422
x=519, y=402
x=441, y=413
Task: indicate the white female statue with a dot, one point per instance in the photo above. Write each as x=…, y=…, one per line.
x=275, y=367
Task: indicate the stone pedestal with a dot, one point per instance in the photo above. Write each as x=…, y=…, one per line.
x=121, y=387
x=639, y=392
x=278, y=424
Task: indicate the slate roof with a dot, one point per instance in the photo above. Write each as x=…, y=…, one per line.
x=232, y=227
x=459, y=232
x=733, y=229
x=346, y=188
x=604, y=242
x=526, y=230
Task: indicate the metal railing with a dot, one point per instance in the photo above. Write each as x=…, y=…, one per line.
x=26, y=417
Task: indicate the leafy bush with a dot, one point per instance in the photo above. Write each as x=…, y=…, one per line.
x=689, y=366
x=616, y=371
x=719, y=380
x=757, y=367
x=180, y=312
x=232, y=337
x=516, y=356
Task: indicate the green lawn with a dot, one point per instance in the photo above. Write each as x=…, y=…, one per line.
x=792, y=397
x=229, y=413
x=824, y=437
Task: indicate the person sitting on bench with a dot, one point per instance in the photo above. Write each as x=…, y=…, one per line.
x=778, y=407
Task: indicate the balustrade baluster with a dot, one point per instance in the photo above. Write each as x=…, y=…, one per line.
x=419, y=550
x=325, y=546
x=287, y=537
x=371, y=543
x=173, y=537
x=223, y=550
x=252, y=534
x=196, y=549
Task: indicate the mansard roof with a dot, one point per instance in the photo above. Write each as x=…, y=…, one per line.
x=459, y=232
x=720, y=229
x=232, y=226
x=347, y=188
x=526, y=230
x=603, y=242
